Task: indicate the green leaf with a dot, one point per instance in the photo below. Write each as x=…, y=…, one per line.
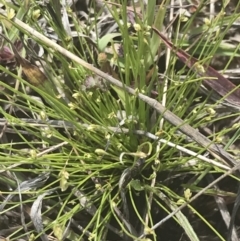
x=105, y=40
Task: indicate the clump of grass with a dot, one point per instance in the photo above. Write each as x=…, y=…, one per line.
x=85, y=159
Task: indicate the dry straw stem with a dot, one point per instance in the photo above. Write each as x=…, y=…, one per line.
x=64, y=124
x=193, y=198
x=185, y=128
